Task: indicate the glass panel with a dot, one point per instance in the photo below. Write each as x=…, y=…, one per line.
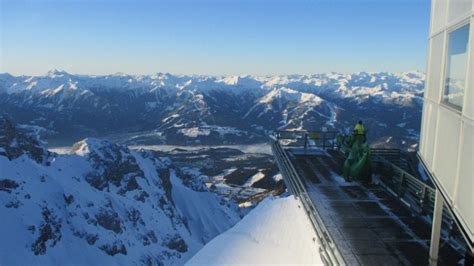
x=434, y=82
x=457, y=66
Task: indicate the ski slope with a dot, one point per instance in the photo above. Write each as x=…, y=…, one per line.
x=276, y=232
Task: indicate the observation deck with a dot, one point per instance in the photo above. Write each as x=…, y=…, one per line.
x=383, y=222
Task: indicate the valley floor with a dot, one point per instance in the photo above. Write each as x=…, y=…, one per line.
x=263, y=148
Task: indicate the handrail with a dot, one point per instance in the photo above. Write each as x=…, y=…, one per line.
x=329, y=252
x=405, y=186
x=324, y=139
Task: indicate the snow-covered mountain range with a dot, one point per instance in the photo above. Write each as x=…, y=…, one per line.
x=114, y=204
x=177, y=109
x=101, y=204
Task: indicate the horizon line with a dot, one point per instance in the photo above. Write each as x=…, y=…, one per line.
x=207, y=75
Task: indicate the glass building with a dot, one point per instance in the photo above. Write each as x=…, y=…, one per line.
x=447, y=131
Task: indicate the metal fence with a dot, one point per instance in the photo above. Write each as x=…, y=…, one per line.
x=414, y=193
x=328, y=250
x=323, y=139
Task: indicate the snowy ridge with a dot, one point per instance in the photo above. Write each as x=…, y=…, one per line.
x=100, y=204
x=209, y=110
x=360, y=83
x=275, y=232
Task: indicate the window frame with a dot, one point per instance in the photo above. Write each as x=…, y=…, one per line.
x=448, y=31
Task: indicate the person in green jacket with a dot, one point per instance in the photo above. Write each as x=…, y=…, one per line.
x=359, y=131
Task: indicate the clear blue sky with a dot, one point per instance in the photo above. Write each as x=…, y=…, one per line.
x=213, y=36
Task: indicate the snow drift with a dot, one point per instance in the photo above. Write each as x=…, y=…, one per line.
x=276, y=232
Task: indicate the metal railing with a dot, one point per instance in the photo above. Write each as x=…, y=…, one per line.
x=323, y=139
x=330, y=254
x=392, y=155
x=414, y=193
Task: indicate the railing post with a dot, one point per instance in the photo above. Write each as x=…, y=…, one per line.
x=400, y=188
x=436, y=228
x=305, y=142
x=452, y=227
x=324, y=140
x=422, y=199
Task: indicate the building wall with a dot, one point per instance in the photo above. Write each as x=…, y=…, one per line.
x=447, y=133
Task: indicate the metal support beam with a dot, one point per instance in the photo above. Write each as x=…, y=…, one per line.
x=436, y=228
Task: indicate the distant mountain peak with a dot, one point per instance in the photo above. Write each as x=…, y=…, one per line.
x=57, y=73
x=246, y=81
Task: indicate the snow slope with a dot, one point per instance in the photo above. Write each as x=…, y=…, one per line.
x=276, y=232
x=101, y=204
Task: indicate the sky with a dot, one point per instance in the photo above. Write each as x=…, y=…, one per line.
x=214, y=37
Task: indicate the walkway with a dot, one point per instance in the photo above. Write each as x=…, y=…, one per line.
x=368, y=225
